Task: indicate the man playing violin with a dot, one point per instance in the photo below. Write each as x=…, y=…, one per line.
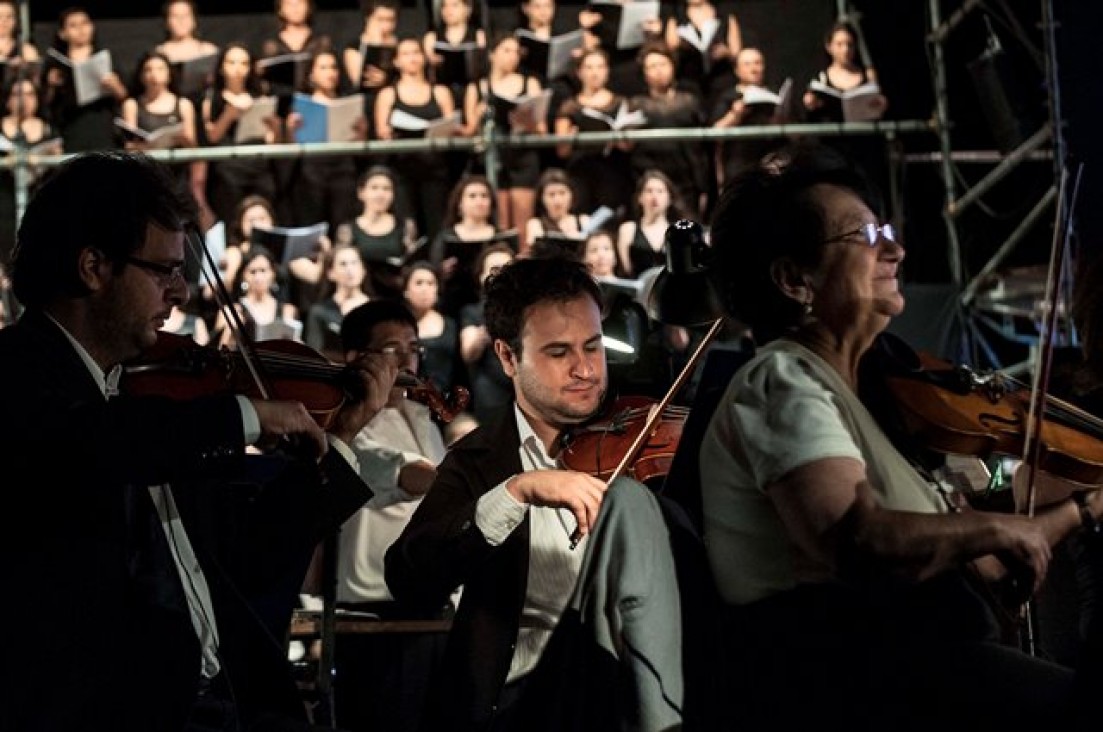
x=398, y=451
x=857, y=598
x=500, y=516
x=151, y=571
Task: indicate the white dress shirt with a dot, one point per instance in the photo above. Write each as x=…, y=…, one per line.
x=553, y=566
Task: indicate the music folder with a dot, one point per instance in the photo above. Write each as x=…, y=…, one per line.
x=548, y=59
x=284, y=73
x=327, y=120
x=194, y=75
x=288, y=243
x=627, y=18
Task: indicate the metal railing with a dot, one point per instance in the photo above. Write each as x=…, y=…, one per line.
x=21, y=161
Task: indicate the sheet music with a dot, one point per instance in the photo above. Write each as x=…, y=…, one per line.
x=530, y=111
x=290, y=243
x=87, y=75
x=630, y=33
x=215, y=239
x=251, y=126
x=560, y=53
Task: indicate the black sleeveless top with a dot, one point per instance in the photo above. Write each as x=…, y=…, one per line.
x=419, y=164
x=150, y=121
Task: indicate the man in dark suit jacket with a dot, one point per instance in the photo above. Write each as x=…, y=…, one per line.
x=149, y=572
x=499, y=493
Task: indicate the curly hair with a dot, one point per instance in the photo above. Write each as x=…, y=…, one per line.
x=525, y=282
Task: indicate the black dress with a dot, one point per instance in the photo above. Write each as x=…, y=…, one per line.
x=601, y=175
x=867, y=151
x=687, y=164
x=695, y=70
x=382, y=253
x=82, y=127
x=423, y=176
x=229, y=181
x=152, y=121
x=491, y=389
x=518, y=167
x=442, y=363
x=738, y=155
x=7, y=199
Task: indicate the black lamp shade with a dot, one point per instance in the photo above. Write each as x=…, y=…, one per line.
x=684, y=293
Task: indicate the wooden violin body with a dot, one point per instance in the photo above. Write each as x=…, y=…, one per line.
x=600, y=446
x=178, y=367
x=954, y=410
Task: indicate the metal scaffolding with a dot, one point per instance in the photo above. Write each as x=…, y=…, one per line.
x=1046, y=143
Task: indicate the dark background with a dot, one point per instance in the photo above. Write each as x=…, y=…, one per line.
x=790, y=32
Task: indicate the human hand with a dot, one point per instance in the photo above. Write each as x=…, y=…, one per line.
x=111, y=83
x=417, y=477
x=374, y=77
x=1023, y=548
x=579, y=493
x=588, y=18
x=288, y=421
x=448, y=267
x=360, y=128
x=377, y=374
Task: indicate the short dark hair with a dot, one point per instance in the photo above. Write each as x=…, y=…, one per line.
x=765, y=214
x=358, y=323
x=525, y=282
x=103, y=199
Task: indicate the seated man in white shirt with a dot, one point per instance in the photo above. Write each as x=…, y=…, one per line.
x=398, y=451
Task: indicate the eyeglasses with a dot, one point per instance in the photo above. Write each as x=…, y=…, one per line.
x=165, y=274
x=417, y=350
x=871, y=232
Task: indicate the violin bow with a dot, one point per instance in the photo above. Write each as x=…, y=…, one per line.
x=225, y=303
x=1032, y=442
x=1044, y=357
x=658, y=409
x=246, y=346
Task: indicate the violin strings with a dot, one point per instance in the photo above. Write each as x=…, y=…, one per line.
x=672, y=410
x=292, y=365
x=1069, y=413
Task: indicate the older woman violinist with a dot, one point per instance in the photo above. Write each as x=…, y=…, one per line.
x=858, y=597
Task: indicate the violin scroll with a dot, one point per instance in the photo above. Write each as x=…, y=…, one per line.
x=423, y=391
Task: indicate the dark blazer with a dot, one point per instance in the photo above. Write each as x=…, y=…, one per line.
x=98, y=631
x=440, y=549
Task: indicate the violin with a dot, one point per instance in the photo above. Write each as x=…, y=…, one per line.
x=602, y=444
x=177, y=366
x=954, y=409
